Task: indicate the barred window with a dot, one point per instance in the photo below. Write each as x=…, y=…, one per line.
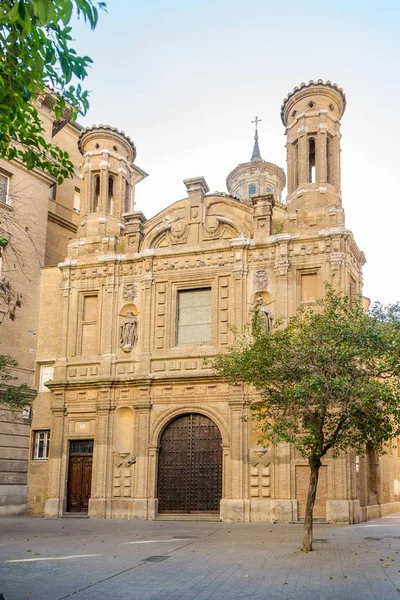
x=41, y=443
x=194, y=316
x=4, y=185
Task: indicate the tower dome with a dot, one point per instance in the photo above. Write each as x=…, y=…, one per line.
x=256, y=177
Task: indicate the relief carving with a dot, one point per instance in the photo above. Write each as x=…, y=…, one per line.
x=129, y=291
x=260, y=280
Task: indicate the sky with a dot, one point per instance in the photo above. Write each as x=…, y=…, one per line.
x=185, y=79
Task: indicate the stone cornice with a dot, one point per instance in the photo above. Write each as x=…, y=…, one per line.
x=54, y=218
x=313, y=87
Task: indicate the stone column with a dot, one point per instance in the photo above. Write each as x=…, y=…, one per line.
x=102, y=457
x=54, y=504
x=322, y=165
x=142, y=485
x=303, y=155
x=109, y=324
x=237, y=507
x=104, y=172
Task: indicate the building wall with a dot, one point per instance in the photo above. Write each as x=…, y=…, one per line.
x=38, y=230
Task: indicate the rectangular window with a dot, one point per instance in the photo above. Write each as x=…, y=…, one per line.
x=53, y=191
x=89, y=325
x=46, y=374
x=194, y=316
x=4, y=188
x=41, y=443
x=309, y=287
x=77, y=200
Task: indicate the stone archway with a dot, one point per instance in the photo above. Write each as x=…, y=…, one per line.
x=190, y=466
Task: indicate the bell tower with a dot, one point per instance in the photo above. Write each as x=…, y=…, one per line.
x=311, y=115
x=109, y=177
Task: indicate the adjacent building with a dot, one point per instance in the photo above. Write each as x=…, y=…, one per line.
x=38, y=218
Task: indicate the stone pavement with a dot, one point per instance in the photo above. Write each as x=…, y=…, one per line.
x=124, y=560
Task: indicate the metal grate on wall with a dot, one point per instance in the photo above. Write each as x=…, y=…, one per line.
x=81, y=447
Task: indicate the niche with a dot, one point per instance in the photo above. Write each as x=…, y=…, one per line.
x=123, y=430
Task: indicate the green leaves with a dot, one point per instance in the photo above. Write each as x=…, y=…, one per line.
x=36, y=53
x=14, y=396
x=329, y=380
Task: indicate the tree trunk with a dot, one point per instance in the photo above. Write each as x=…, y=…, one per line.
x=315, y=464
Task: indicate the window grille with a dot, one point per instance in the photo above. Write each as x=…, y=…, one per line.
x=252, y=190
x=4, y=186
x=41, y=443
x=81, y=447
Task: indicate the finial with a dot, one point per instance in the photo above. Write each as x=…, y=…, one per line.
x=256, y=150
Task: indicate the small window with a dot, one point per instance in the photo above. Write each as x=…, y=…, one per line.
x=41, y=443
x=311, y=104
x=194, y=316
x=268, y=189
x=4, y=188
x=238, y=196
x=96, y=196
x=252, y=190
x=77, y=200
x=46, y=374
x=110, y=207
x=53, y=191
x=311, y=161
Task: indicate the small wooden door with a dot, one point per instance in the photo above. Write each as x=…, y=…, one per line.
x=190, y=466
x=79, y=477
x=302, y=482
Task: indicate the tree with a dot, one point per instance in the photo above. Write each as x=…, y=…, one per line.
x=13, y=396
x=36, y=52
x=327, y=381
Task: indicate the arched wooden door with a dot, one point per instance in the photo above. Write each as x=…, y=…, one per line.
x=190, y=466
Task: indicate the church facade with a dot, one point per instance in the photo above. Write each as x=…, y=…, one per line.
x=133, y=422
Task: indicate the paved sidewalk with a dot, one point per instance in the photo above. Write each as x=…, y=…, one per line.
x=125, y=560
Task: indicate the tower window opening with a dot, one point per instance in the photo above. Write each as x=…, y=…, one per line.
x=110, y=198
x=311, y=104
x=96, y=196
x=252, y=190
x=311, y=160
x=268, y=189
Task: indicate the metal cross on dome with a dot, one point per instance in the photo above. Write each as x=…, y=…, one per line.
x=256, y=121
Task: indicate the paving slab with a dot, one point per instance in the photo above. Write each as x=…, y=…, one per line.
x=84, y=559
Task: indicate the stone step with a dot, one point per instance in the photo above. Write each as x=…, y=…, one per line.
x=75, y=516
x=315, y=520
x=187, y=517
